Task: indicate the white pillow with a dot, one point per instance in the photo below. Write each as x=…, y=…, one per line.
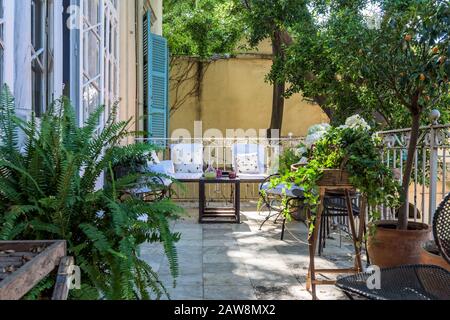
x=247, y=163
x=187, y=154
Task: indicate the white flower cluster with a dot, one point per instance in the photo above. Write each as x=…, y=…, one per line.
x=356, y=122
x=318, y=131
x=315, y=133
x=323, y=127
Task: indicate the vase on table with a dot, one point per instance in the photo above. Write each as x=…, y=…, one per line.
x=210, y=172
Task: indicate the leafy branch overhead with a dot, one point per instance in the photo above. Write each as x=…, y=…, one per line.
x=197, y=32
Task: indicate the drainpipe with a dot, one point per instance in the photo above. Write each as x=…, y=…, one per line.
x=434, y=144
x=137, y=34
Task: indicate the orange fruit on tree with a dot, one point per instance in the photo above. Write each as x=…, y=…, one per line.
x=408, y=37
x=422, y=77
x=435, y=50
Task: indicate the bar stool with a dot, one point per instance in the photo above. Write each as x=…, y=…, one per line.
x=333, y=183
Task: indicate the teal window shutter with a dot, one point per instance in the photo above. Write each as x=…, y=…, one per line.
x=156, y=79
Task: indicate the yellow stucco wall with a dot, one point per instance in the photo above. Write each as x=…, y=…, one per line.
x=235, y=96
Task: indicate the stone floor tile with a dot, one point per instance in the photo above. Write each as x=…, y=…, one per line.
x=229, y=293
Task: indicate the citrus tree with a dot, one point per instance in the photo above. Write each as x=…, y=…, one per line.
x=405, y=59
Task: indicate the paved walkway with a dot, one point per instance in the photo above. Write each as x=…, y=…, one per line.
x=227, y=262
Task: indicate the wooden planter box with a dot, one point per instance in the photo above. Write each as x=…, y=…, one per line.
x=335, y=178
x=23, y=264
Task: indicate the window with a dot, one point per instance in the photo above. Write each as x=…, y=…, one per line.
x=91, y=43
x=111, y=49
x=98, y=42
x=39, y=55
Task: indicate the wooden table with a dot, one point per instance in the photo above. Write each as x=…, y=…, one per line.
x=220, y=214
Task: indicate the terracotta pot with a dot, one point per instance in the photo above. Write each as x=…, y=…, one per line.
x=430, y=255
x=390, y=247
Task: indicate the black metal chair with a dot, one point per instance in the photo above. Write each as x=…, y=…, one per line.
x=152, y=189
x=335, y=212
x=278, y=200
x=412, y=282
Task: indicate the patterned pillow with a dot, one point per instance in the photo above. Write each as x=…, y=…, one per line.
x=187, y=153
x=247, y=163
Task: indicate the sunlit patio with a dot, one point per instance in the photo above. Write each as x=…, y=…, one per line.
x=241, y=262
x=224, y=150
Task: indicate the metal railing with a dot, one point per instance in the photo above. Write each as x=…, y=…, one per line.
x=430, y=180
x=219, y=152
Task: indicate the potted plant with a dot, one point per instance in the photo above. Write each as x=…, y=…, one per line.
x=48, y=190
x=400, y=64
x=406, y=61
x=349, y=154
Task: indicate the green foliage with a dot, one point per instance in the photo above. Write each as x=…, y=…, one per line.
x=356, y=151
x=312, y=68
x=45, y=286
x=263, y=17
x=48, y=191
x=339, y=60
x=405, y=60
x=287, y=159
x=201, y=28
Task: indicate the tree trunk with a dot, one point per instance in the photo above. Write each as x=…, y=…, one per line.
x=403, y=214
x=278, y=87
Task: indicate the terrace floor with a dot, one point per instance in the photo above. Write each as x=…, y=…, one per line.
x=240, y=262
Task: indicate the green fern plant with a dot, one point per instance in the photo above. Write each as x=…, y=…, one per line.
x=48, y=191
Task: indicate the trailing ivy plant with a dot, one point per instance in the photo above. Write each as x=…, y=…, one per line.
x=355, y=149
x=48, y=191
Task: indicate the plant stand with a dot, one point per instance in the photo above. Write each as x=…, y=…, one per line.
x=334, y=180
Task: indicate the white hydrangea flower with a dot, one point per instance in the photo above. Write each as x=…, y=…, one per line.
x=313, y=138
x=318, y=128
x=315, y=133
x=357, y=122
